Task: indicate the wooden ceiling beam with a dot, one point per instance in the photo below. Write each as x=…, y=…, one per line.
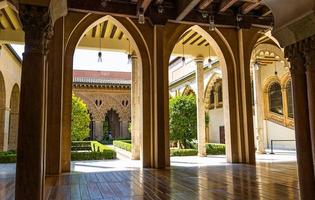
x=104, y=29
x=204, y=4
x=4, y=12
x=185, y=6
x=195, y=40
x=247, y=7
x=112, y=34
x=226, y=4
x=94, y=31
x=190, y=37
x=120, y=35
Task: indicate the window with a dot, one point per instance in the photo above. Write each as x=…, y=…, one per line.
x=289, y=98
x=275, y=98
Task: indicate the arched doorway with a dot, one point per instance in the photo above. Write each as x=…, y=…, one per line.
x=221, y=49
x=14, y=117
x=112, y=124
x=136, y=41
x=2, y=111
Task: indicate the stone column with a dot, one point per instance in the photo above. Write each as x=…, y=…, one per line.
x=309, y=52
x=258, y=99
x=6, y=129
x=200, y=107
x=99, y=133
x=135, y=109
x=30, y=165
x=301, y=120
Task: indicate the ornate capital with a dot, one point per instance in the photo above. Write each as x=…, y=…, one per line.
x=38, y=28
x=309, y=53
x=294, y=53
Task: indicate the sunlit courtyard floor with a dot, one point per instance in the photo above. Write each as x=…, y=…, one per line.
x=191, y=177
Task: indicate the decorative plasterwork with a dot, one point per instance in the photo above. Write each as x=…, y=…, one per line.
x=284, y=119
x=213, y=84
x=99, y=103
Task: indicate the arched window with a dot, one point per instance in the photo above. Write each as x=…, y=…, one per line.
x=289, y=99
x=275, y=98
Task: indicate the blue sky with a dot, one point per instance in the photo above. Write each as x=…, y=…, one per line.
x=87, y=60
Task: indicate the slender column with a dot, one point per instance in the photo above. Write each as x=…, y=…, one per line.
x=309, y=52
x=6, y=123
x=54, y=108
x=301, y=120
x=98, y=130
x=30, y=166
x=258, y=109
x=135, y=109
x=201, y=134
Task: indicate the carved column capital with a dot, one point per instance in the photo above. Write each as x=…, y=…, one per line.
x=294, y=53
x=309, y=53
x=38, y=28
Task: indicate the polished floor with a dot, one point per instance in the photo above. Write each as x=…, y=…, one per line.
x=268, y=180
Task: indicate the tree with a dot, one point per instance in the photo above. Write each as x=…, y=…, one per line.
x=80, y=120
x=183, y=119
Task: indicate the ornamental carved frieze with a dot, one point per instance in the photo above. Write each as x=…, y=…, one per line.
x=99, y=103
x=37, y=26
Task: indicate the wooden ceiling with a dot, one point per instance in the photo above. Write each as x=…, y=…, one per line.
x=8, y=16
x=237, y=13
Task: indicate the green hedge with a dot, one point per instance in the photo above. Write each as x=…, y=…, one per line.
x=111, y=154
x=98, y=151
x=123, y=144
x=183, y=152
x=81, y=146
x=7, y=157
x=215, y=149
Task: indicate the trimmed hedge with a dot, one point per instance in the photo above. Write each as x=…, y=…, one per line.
x=81, y=146
x=123, y=144
x=97, y=151
x=7, y=157
x=183, y=152
x=215, y=149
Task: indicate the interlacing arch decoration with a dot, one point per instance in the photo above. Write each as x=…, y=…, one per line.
x=188, y=91
x=211, y=95
x=284, y=118
x=118, y=102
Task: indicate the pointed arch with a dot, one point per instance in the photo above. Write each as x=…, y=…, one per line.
x=188, y=91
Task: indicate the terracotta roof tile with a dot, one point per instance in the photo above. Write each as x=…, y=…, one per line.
x=106, y=75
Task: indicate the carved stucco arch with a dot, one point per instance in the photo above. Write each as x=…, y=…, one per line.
x=209, y=86
x=14, y=117
x=188, y=90
x=108, y=102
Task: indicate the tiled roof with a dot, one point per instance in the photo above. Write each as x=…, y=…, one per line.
x=109, y=75
x=101, y=78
